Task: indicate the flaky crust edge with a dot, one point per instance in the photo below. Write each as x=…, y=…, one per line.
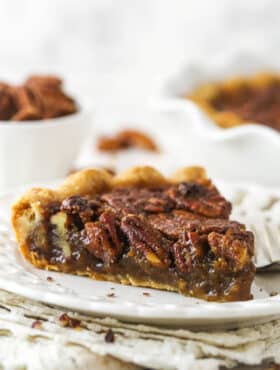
x=205, y=92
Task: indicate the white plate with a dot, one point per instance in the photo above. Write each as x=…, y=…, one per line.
x=130, y=303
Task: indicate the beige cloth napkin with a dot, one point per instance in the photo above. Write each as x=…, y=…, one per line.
x=36, y=336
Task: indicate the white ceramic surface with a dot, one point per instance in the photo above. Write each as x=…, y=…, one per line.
x=129, y=303
x=247, y=153
x=40, y=150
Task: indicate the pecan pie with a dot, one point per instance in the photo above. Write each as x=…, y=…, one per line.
x=139, y=228
x=237, y=101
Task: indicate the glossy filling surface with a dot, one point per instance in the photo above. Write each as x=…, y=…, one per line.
x=175, y=237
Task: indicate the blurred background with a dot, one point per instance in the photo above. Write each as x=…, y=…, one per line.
x=116, y=55
x=119, y=50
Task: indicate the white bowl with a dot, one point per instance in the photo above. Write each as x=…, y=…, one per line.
x=247, y=153
x=32, y=151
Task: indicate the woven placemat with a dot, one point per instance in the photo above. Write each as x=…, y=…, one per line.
x=39, y=336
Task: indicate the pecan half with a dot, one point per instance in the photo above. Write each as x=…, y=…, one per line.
x=182, y=257
x=147, y=241
x=102, y=238
x=176, y=222
x=55, y=103
x=85, y=208
x=7, y=105
x=205, y=201
x=28, y=104
x=137, y=201
x=158, y=203
x=234, y=246
x=190, y=248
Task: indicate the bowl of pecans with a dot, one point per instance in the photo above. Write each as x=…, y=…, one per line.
x=42, y=130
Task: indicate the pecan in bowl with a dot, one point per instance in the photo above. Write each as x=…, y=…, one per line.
x=42, y=130
x=38, y=98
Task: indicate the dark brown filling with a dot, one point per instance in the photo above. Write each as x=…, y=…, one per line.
x=252, y=104
x=176, y=234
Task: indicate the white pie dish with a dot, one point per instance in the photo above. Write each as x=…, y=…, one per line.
x=41, y=150
x=247, y=153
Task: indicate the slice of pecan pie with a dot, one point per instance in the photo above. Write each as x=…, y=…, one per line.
x=139, y=228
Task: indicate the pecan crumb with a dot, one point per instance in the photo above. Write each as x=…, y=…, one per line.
x=146, y=294
x=37, y=324
x=69, y=322
x=111, y=295
x=126, y=139
x=273, y=294
x=49, y=278
x=109, y=336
